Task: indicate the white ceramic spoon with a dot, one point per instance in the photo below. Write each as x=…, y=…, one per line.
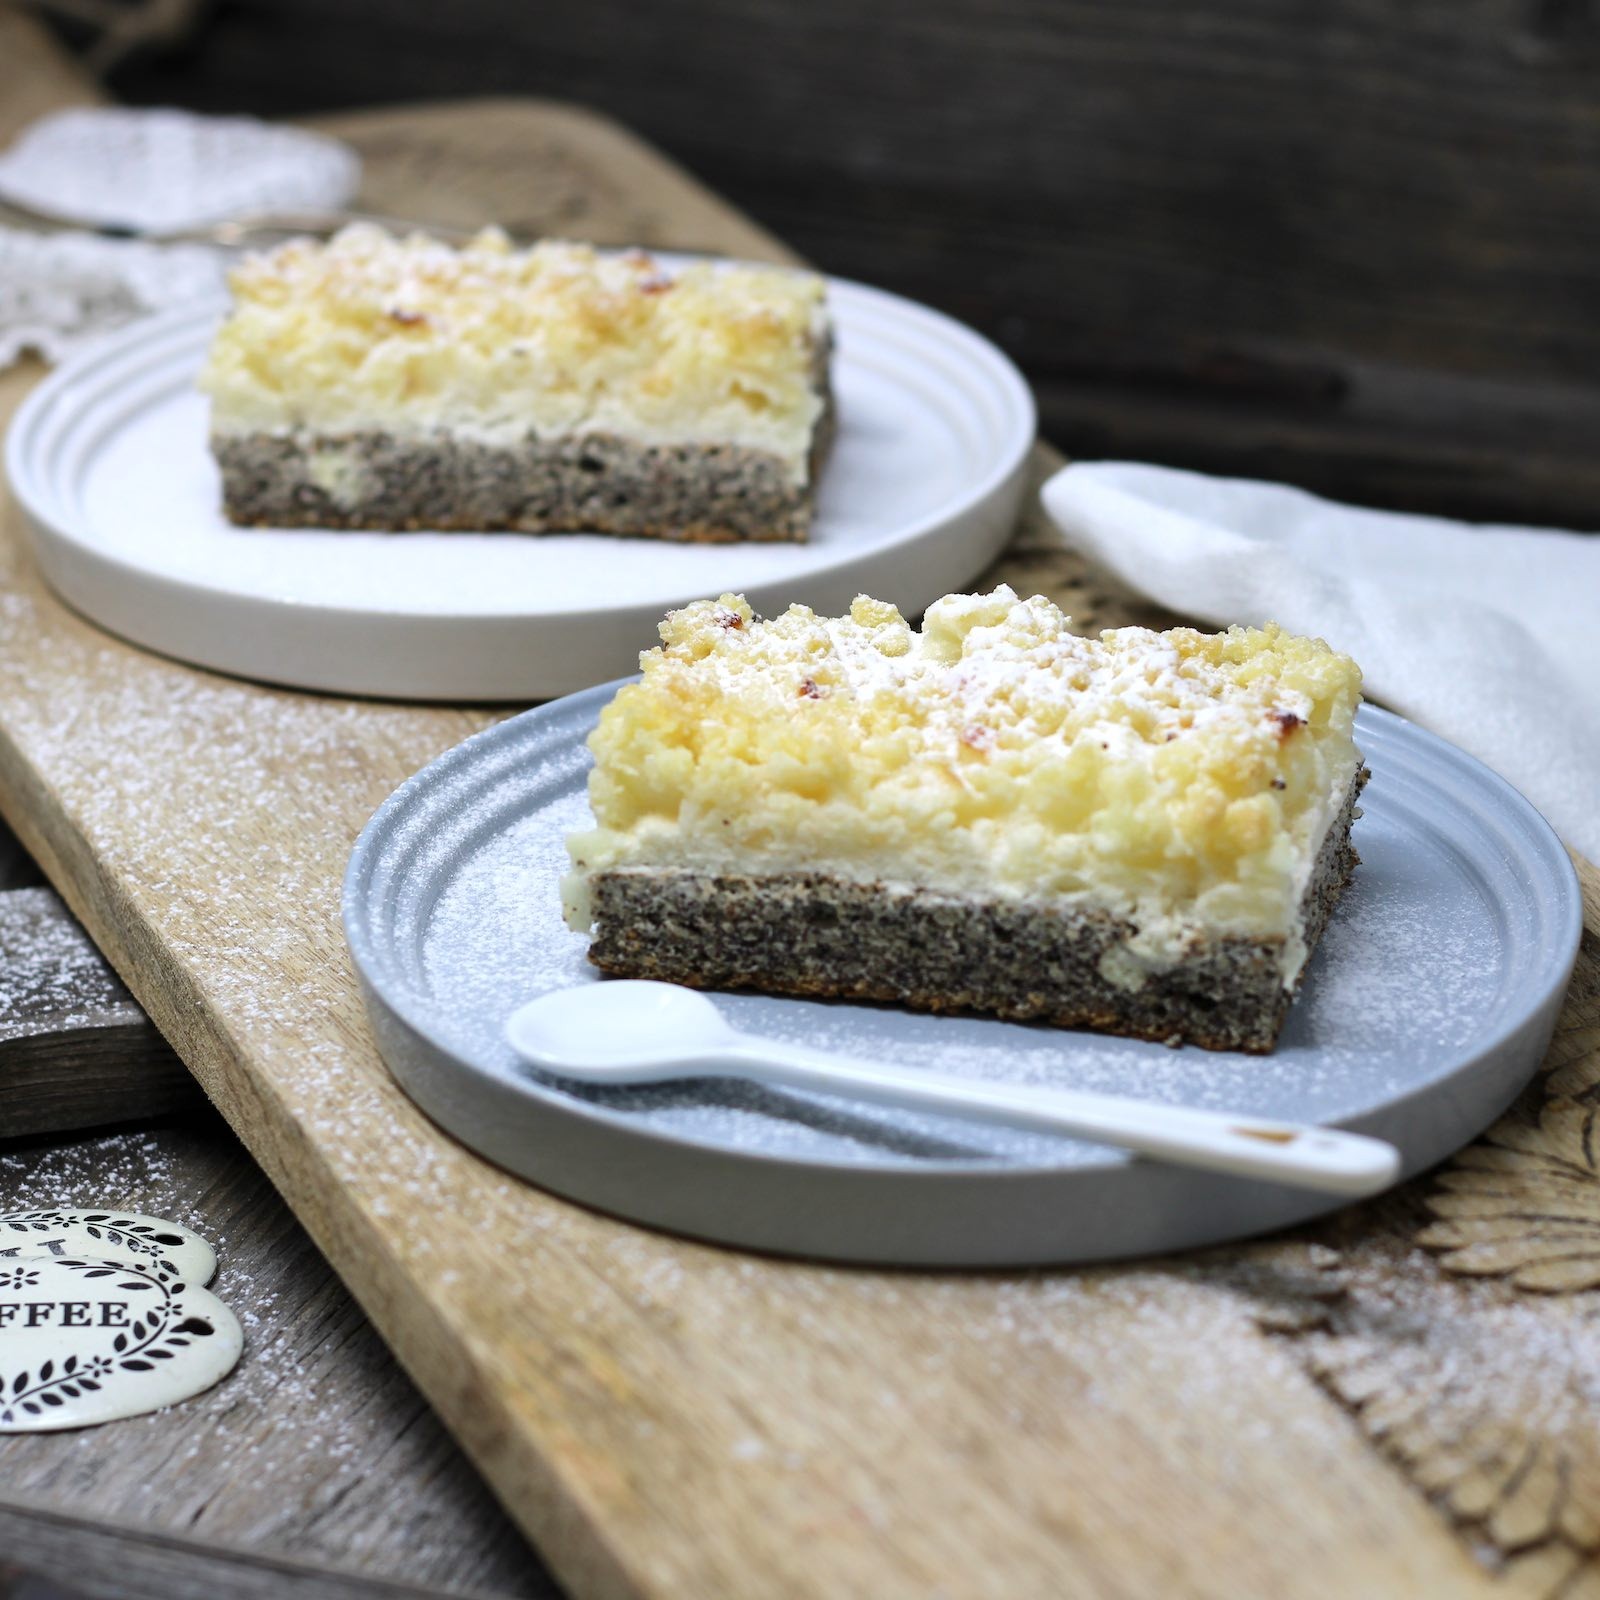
x=629, y=1031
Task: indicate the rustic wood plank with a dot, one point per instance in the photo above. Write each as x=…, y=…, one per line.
x=663, y=1418
x=78, y=1558
x=550, y=170
x=76, y=1049
x=357, y=1470
x=1349, y=244
x=38, y=77
x=317, y=1450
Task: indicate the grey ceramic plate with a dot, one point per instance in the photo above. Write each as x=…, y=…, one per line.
x=1428, y=1005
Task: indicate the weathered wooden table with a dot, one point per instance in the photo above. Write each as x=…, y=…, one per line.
x=1405, y=1400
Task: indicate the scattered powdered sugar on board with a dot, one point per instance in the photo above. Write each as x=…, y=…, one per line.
x=1408, y=975
x=130, y=1171
x=51, y=975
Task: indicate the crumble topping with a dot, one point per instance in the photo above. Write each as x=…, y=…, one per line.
x=1182, y=779
x=368, y=331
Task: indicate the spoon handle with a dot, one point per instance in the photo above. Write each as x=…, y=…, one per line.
x=1305, y=1156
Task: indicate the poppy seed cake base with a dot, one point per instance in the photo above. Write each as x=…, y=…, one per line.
x=596, y=482
x=821, y=936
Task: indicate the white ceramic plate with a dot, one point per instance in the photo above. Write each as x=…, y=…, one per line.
x=1428, y=1004
x=108, y=457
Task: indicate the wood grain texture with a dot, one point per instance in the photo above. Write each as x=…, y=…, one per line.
x=76, y=1050
x=50, y=1556
x=538, y=171
x=316, y=1451
x=1348, y=244
x=663, y=1418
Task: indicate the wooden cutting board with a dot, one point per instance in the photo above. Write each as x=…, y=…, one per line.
x=668, y=1419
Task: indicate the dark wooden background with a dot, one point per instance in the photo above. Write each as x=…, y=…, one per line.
x=1354, y=244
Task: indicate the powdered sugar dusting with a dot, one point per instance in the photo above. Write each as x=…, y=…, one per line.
x=983, y=662
x=243, y=874
x=51, y=975
x=129, y=1171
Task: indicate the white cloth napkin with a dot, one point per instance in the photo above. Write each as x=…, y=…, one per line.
x=1487, y=634
x=152, y=172
x=61, y=292
x=160, y=170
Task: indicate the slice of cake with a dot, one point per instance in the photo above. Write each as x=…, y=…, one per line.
x=1142, y=832
x=374, y=382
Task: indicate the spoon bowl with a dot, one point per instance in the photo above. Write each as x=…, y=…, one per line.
x=628, y=1030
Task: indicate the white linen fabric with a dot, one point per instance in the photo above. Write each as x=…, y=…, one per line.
x=61, y=292
x=160, y=171
x=1489, y=635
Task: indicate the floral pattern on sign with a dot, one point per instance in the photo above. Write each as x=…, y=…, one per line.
x=127, y=1236
x=129, y=1232
x=155, y=1340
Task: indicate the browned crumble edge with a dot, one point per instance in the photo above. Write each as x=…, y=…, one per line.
x=816, y=935
x=585, y=483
